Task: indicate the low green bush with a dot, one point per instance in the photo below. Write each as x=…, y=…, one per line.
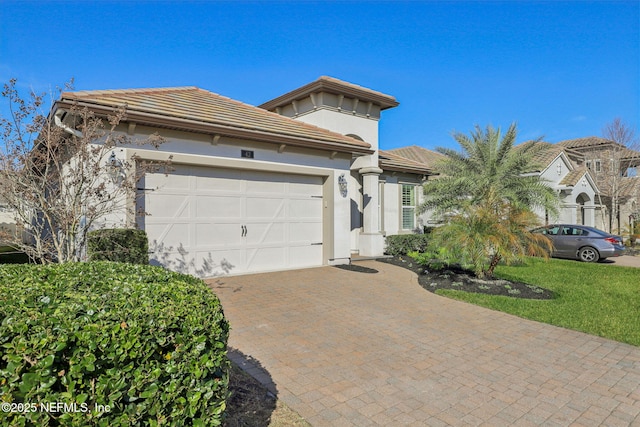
x=118, y=245
x=402, y=244
x=118, y=344
x=431, y=259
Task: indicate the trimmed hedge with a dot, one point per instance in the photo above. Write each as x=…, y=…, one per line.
x=402, y=244
x=147, y=344
x=118, y=245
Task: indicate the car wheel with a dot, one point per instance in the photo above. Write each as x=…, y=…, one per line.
x=588, y=254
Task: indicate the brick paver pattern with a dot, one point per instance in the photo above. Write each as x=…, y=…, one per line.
x=345, y=348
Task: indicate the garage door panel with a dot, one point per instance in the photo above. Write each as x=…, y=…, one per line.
x=220, y=207
x=229, y=183
x=264, y=207
x=218, y=235
x=265, y=234
x=306, y=208
x=167, y=182
x=169, y=234
x=304, y=256
x=214, y=263
x=309, y=232
x=169, y=206
x=265, y=187
x=310, y=186
x=262, y=259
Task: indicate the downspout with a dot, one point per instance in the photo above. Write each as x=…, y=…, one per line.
x=58, y=116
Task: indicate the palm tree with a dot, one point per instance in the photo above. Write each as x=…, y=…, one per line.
x=489, y=195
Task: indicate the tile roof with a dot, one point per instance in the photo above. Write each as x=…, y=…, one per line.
x=548, y=152
x=333, y=85
x=573, y=177
x=593, y=142
x=629, y=187
x=195, y=109
x=590, y=141
x=419, y=154
x=390, y=161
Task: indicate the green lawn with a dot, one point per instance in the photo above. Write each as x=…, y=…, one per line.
x=599, y=299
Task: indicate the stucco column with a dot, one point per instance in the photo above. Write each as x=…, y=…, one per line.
x=371, y=241
x=589, y=215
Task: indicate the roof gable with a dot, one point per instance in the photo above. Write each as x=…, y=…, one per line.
x=335, y=86
x=573, y=178
x=194, y=109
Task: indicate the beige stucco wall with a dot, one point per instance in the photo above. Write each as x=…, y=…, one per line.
x=198, y=149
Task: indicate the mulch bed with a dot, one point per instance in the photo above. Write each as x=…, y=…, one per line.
x=357, y=268
x=462, y=280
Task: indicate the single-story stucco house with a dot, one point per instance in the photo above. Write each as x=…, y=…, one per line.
x=298, y=181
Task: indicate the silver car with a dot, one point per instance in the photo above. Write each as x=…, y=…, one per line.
x=581, y=242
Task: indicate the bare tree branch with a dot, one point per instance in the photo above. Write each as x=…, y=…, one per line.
x=55, y=178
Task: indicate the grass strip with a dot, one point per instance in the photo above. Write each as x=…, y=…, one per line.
x=599, y=299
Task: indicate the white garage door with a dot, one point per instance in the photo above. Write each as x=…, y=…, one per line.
x=207, y=221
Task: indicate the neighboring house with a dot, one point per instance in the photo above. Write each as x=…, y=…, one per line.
x=574, y=184
x=558, y=167
x=297, y=182
x=615, y=171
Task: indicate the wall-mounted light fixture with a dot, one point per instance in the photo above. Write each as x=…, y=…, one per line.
x=342, y=185
x=115, y=169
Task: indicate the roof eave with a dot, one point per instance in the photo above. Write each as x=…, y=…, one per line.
x=169, y=122
x=405, y=169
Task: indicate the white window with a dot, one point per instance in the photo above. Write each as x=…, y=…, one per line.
x=408, y=207
x=589, y=164
x=598, y=166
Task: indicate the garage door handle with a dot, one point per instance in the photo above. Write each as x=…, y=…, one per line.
x=244, y=230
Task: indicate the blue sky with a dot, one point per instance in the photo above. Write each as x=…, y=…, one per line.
x=559, y=69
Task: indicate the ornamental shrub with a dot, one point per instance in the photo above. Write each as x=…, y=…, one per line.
x=119, y=344
x=118, y=245
x=402, y=244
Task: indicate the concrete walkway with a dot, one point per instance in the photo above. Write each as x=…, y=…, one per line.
x=355, y=349
x=625, y=261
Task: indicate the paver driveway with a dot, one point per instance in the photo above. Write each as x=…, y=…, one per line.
x=354, y=349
